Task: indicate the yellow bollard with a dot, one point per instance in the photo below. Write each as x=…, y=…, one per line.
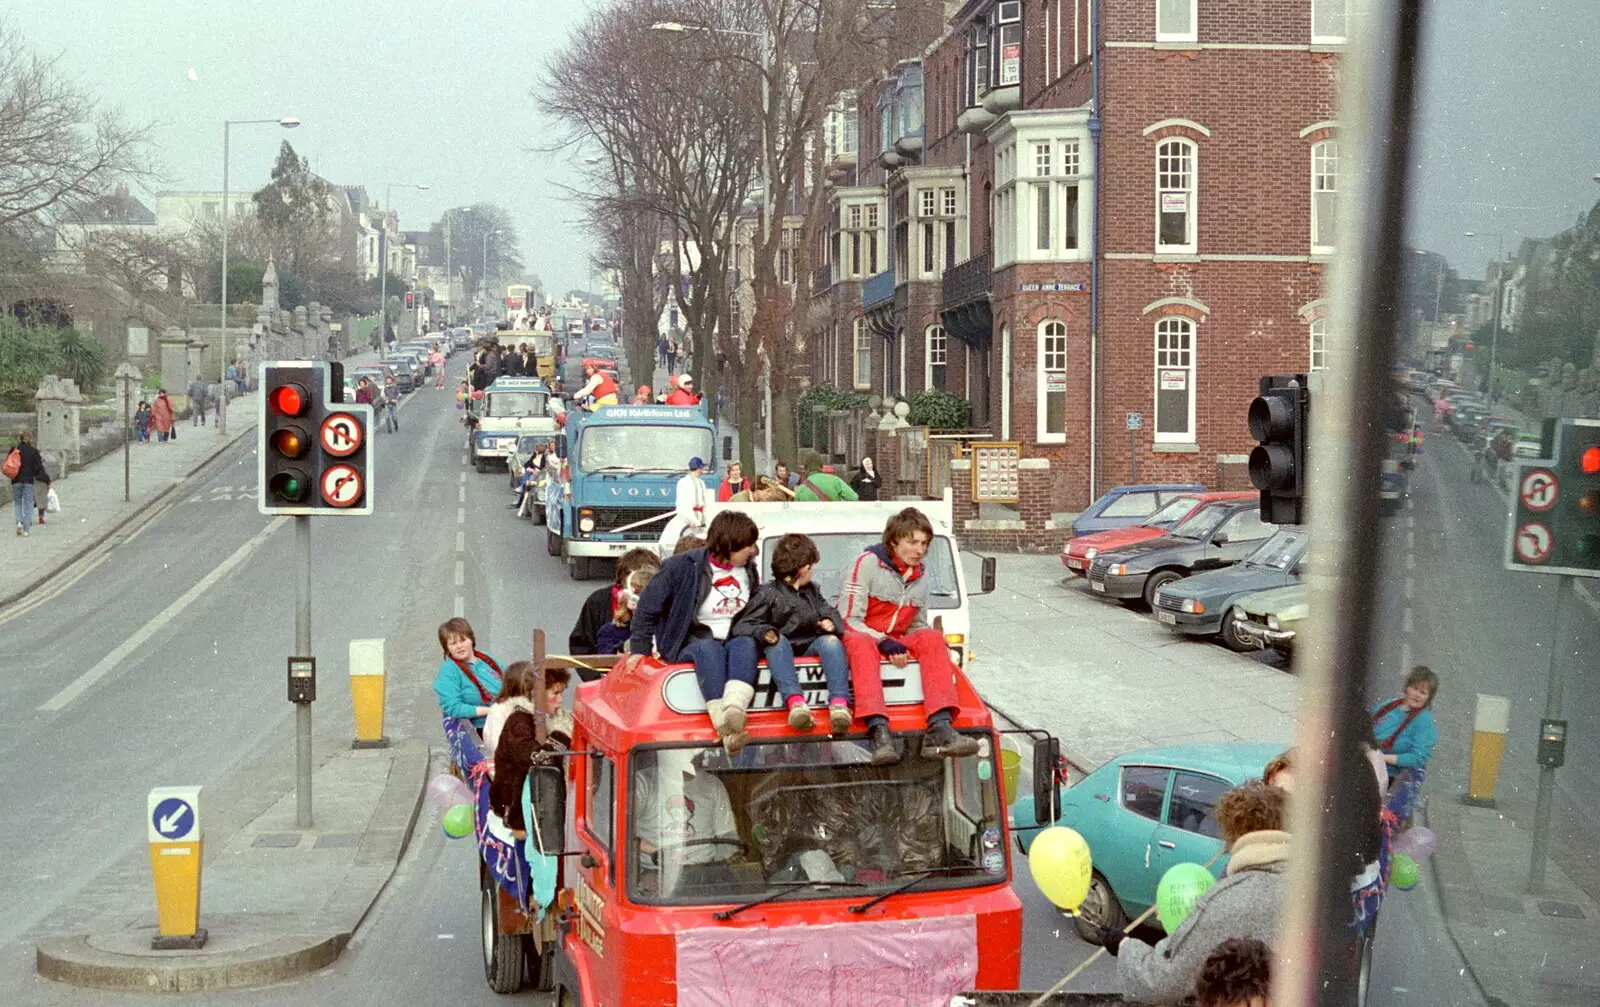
x=1490, y=718
x=367, y=676
x=176, y=852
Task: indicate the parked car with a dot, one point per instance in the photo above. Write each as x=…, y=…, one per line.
x=1203, y=604
x=1272, y=618
x=1527, y=446
x=1144, y=811
x=1080, y=550
x=461, y=338
x=1218, y=535
x=1129, y=505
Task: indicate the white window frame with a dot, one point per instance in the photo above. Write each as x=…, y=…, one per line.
x=1179, y=33
x=1052, y=347
x=935, y=353
x=1324, y=183
x=1190, y=188
x=1172, y=355
x=861, y=354
x=1319, y=344
x=1034, y=174
x=861, y=240
x=1337, y=9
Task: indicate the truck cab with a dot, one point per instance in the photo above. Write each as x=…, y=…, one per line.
x=795, y=865
x=510, y=408
x=619, y=480
x=843, y=530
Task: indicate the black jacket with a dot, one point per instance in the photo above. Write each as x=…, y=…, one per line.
x=32, y=466
x=513, y=757
x=866, y=486
x=596, y=612
x=792, y=612
x=511, y=366
x=667, y=608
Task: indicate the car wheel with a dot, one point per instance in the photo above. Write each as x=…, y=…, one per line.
x=1100, y=909
x=1157, y=581
x=1230, y=636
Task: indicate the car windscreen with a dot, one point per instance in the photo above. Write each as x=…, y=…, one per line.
x=1203, y=523
x=1281, y=551
x=783, y=814
x=517, y=403
x=838, y=550
x=640, y=448
x=1172, y=514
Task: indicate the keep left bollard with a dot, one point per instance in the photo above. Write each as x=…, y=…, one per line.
x=367, y=682
x=176, y=854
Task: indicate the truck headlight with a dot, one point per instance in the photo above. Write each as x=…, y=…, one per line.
x=586, y=524
x=1194, y=607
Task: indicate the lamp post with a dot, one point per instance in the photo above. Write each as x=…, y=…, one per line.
x=287, y=122
x=383, y=263
x=1499, y=300
x=127, y=374
x=765, y=40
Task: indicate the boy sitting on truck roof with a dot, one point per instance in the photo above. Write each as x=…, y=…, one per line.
x=883, y=597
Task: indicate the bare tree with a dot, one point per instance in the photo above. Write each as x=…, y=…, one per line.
x=58, y=148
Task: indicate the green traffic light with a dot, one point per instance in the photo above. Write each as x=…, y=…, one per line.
x=288, y=486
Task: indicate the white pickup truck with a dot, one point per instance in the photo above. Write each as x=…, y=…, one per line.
x=843, y=530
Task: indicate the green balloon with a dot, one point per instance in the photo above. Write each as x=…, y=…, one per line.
x=458, y=822
x=1180, y=888
x=1404, y=873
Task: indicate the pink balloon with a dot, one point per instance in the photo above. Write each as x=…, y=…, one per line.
x=445, y=792
x=1419, y=843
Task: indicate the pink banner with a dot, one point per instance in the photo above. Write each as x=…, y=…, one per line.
x=904, y=963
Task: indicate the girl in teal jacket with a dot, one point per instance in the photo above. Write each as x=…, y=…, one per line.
x=468, y=679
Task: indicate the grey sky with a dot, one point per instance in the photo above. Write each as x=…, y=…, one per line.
x=413, y=91
x=397, y=91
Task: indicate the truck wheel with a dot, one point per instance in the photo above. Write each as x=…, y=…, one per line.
x=481, y=465
x=1231, y=638
x=1100, y=909
x=552, y=542
x=502, y=953
x=537, y=514
x=541, y=967
x=579, y=568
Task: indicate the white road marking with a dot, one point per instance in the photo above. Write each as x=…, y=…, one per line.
x=461, y=607
x=461, y=515
x=461, y=541
x=463, y=478
x=1411, y=586
x=461, y=573
x=1411, y=561
x=1411, y=540
x=111, y=661
x=1405, y=655
x=1406, y=622
x=1411, y=522
x=463, y=461
x=461, y=495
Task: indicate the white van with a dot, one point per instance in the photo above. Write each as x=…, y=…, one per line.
x=843, y=530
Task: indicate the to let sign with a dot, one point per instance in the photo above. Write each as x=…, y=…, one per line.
x=995, y=473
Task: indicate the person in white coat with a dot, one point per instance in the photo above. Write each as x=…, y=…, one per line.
x=689, y=507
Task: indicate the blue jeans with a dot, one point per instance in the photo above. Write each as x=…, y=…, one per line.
x=22, y=506
x=716, y=662
x=390, y=419
x=835, y=666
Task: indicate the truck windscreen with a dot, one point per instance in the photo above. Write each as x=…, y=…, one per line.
x=639, y=448
x=517, y=404
x=839, y=550
x=703, y=831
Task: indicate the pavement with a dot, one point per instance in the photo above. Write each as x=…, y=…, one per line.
x=279, y=901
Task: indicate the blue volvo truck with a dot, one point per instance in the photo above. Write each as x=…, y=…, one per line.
x=619, y=479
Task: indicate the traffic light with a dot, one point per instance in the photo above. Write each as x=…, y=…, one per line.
x=1279, y=420
x=313, y=455
x=411, y=300
x=1577, y=521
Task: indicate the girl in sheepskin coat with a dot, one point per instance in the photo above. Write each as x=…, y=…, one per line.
x=510, y=735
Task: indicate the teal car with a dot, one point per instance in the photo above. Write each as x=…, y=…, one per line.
x=1144, y=811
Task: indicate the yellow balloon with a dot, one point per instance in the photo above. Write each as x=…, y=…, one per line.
x=1060, y=865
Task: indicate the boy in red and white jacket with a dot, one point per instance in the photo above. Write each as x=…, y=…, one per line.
x=882, y=601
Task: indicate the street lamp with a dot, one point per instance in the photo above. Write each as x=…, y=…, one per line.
x=767, y=45
x=1499, y=299
x=383, y=262
x=287, y=122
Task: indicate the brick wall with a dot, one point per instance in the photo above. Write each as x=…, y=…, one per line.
x=1030, y=531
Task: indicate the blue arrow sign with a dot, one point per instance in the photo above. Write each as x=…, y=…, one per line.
x=173, y=817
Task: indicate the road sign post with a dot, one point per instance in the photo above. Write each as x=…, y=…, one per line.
x=1135, y=424
x=172, y=817
x=302, y=647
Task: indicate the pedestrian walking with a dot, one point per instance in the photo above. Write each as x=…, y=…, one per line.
x=24, y=466
x=364, y=393
x=865, y=481
x=162, y=416
x=661, y=350
x=436, y=360
x=672, y=356
x=197, y=403
x=391, y=402
x=141, y=422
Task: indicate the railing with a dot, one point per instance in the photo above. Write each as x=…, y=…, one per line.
x=878, y=290
x=967, y=281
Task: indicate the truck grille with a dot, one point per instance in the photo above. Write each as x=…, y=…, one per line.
x=608, y=518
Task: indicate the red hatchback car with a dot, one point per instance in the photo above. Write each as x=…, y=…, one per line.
x=1078, y=552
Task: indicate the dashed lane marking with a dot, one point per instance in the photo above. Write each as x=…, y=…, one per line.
x=463, y=478
x=1411, y=587
x=461, y=606
x=111, y=661
x=1407, y=623
x=461, y=495
x=461, y=541
x=461, y=515
x=461, y=573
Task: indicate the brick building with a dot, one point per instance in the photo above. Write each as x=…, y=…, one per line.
x=1154, y=259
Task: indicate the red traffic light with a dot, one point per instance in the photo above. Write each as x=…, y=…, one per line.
x=289, y=399
x=1589, y=460
x=411, y=300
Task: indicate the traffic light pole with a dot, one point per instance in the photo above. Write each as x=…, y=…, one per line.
x=302, y=647
x=1562, y=644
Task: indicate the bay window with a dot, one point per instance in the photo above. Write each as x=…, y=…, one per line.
x=858, y=241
